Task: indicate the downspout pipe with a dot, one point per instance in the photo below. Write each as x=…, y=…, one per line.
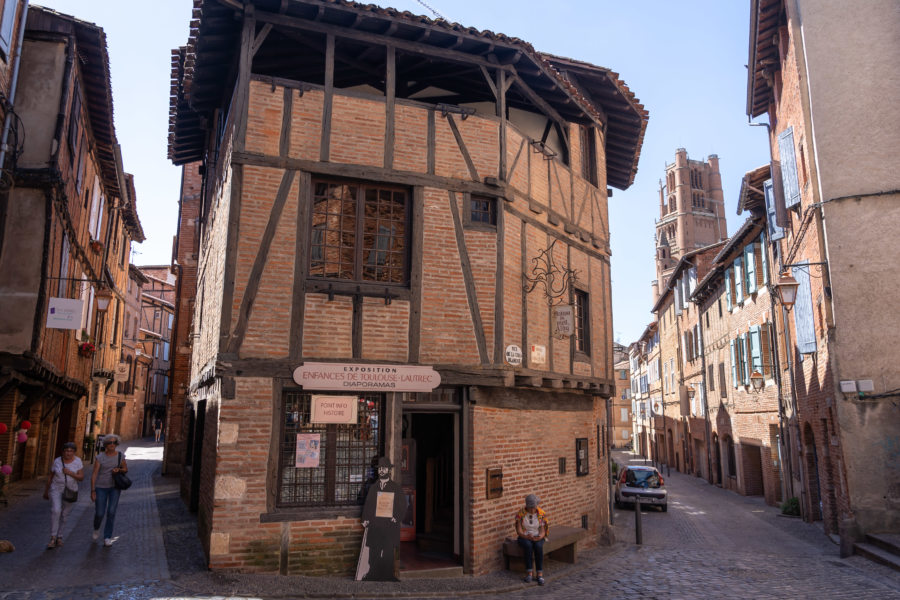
x=7, y=120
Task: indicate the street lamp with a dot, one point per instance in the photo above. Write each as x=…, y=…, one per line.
x=104, y=295
x=786, y=287
x=757, y=380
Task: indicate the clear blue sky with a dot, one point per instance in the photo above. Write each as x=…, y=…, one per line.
x=684, y=60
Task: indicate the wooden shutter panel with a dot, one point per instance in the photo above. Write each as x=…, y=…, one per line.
x=756, y=361
x=738, y=280
x=722, y=387
x=776, y=231
x=762, y=255
x=803, y=311
x=734, y=381
x=788, y=167
x=765, y=338
x=781, y=218
x=750, y=268
x=7, y=21
x=710, y=376
x=728, y=282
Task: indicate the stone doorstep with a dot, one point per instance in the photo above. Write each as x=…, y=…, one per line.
x=876, y=554
x=439, y=573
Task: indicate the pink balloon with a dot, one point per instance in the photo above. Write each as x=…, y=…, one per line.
x=6, y=469
x=22, y=437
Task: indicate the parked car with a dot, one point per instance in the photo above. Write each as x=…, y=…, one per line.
x=644, y=482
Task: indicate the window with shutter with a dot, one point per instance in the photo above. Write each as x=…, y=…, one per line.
x=678, y=298
x=756, y=361
x=766, y=347
x=710, y=377
x=788, y=167
x=750, y=268
x=746, y=358
x=762, y=262
x=729, y=284
x=734, y=381
x=804, y=326
x=776, y=232
x=738, y=281
x=722, y=387
x=7, y=20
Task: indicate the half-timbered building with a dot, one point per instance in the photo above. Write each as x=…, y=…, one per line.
x=404, y=251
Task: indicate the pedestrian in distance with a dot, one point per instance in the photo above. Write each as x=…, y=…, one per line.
x=62, y=490
x=157, y=428
x=104, y=492
x=532, y=527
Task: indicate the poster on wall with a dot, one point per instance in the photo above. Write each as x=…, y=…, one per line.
x=307, y=450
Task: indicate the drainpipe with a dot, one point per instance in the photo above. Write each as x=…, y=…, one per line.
x=7, y=121
x=703, y=388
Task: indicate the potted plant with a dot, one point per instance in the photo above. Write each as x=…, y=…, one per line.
x=86, y=349
x=96, y=246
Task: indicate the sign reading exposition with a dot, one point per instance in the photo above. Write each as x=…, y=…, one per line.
x=366, y=378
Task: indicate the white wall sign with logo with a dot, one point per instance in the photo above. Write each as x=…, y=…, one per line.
x=366, y=378
x=513, y=355
x=564, y=320
x=121, y=373
x=538, y=354
x=334, y=409
x=64, y=313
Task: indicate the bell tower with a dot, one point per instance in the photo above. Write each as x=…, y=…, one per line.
x=691, y=212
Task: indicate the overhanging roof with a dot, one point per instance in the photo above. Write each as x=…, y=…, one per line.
x=429, y=53
x=763, y=60
x=752, y=197
x=93, y=64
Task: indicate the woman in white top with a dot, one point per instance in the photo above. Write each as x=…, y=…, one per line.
x=104, y=492
x=66, y=472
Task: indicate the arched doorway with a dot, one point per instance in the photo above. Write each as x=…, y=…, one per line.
x=811, y=461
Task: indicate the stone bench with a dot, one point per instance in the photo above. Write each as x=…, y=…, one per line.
x=561, y=546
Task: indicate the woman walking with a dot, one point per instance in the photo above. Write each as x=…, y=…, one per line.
x=66, y=472
x=104, y=492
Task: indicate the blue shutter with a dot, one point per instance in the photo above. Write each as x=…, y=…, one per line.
x=734, y=381
x=803, y=311
x=738, y=281
x=750, y=268
x=7, y=20
x=755, y=350
x=678, y=302
x=776, y=232
x=788, y=167
x=764, y=253
x=728, y=288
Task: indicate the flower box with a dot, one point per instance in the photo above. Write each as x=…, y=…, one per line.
x=86, y=349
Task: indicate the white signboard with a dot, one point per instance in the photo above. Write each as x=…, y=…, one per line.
x=366, y=378
x=513, y=355
x=538, y=354
x=564, y=320
x=334, y=409
x=64, y=313
x=121, y=373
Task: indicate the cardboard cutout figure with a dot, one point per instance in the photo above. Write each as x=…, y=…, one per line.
x=381, y=517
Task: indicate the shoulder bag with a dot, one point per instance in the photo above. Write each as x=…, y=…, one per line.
x=69, y=495
x=121, y=480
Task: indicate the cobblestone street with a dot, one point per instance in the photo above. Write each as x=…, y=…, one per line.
x=711, y=544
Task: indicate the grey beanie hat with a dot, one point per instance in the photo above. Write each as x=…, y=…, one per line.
x=531, y=501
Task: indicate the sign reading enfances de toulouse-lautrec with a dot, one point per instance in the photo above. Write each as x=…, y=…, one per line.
x=366, y=378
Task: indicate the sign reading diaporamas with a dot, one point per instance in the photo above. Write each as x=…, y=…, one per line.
x=366, y=378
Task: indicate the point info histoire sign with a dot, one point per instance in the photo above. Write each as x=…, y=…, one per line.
x=366, y=378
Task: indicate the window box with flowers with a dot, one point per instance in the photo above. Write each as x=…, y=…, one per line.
x=96, y=246
x=86, y=349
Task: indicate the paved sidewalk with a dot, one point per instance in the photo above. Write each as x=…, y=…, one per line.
x=158, y=556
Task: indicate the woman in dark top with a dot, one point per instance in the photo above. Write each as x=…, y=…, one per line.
x=104, y=492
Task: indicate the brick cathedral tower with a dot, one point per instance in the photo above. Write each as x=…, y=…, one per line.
x=691, y=212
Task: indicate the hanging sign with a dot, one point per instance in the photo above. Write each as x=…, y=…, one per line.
x=121, y=373
x=334, y=409
x=513, y=355
x=64, y=313
x=564, y=320
x=366, y=378
x=307, y=450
